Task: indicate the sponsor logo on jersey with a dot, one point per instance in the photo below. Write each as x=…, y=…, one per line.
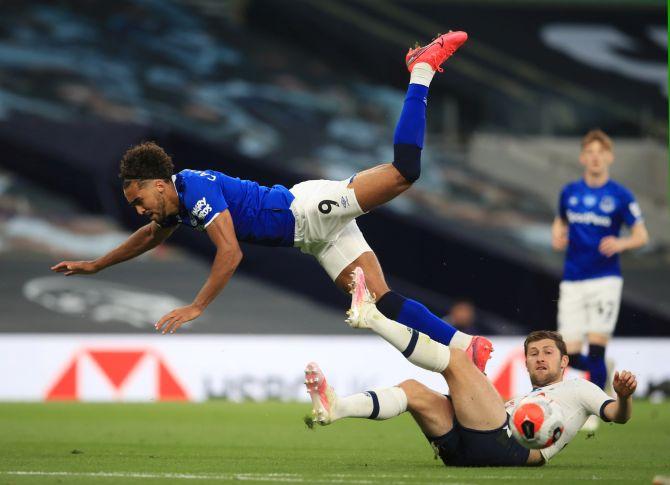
x=589, y=218
x=589, y=200
x=607, y=204
x=573, y=200
x=201, y=209
x=344, y=202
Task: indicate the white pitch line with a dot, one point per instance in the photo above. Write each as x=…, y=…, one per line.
x=295, y=478
x=269, y=477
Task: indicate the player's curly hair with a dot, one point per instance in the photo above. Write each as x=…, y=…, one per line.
x=546, y=334
x=146, y=161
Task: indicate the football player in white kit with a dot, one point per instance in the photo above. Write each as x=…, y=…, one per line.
x=469, y=427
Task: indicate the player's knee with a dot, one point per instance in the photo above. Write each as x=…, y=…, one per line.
x=409, y=384
x=412, y=388
x=418, y=395
x=407, y=161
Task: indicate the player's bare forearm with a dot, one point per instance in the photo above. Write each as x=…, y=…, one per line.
x=145, y=238
x=611, y=245
x=639, y=237
x=624, y=384
x=223, y=268
x=559, y=234
x=622, y=410
x=228, y=256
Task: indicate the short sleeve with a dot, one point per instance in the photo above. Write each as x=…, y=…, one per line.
x=631, y=209
x=203, y=197
x=562, y=203
x=594, y=399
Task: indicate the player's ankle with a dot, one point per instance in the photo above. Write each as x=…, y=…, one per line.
x=422, y=73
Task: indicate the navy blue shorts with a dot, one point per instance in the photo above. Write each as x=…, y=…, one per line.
x=468, y=447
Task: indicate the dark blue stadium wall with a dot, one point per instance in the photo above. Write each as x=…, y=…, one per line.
x=81, y=160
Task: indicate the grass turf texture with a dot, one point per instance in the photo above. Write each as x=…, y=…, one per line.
x=269, y=442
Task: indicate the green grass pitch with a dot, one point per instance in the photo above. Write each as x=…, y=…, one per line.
x=219, y=442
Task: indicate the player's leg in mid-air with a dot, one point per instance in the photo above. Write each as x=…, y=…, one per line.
x=423, y=338
x=325, y=210
x=382, y=183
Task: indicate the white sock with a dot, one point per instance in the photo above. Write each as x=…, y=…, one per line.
x=460, y=340
x=376, y=404
x=422, y=73
x=417, y=347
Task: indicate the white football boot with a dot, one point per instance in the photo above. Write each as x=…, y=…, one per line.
x=324, y=399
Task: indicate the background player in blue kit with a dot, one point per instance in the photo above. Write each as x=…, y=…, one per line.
x=591, y=212
x=317, y=216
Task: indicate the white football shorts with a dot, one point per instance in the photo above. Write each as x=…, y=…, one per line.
x=325, y=225
x=588, y=306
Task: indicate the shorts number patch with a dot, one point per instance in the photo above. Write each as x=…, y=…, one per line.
x=325, y=206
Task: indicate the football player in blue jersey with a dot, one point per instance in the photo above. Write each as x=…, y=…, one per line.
x=591, y=212
x=316, y=216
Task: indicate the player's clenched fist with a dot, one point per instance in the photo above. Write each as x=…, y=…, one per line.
x=75, y=267
x=624, y=383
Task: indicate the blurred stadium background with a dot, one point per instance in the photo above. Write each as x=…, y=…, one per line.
x=283, y=91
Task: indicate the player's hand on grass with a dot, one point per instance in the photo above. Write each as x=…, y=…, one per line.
x=611, y=245
x=624, y=383
x=69, y=268
x=170, y=322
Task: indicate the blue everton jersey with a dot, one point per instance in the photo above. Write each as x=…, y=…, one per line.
x=592, y=214
x=261, y=215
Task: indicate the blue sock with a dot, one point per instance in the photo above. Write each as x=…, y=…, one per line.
x=412, y=123
x=409, y=133
x=579, y=361
x=597, y=366
x=415, y=315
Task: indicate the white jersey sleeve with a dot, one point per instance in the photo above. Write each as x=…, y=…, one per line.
x=594, y=399
x=578, y=400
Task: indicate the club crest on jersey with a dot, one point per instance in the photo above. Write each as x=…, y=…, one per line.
x=589, y=200
x=344, y=202
x=201, y=209
x=607, y=204
x=573, y=200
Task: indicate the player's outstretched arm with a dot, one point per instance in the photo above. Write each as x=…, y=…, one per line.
x=228, y=256
x=145, y=238
x=624, y=385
